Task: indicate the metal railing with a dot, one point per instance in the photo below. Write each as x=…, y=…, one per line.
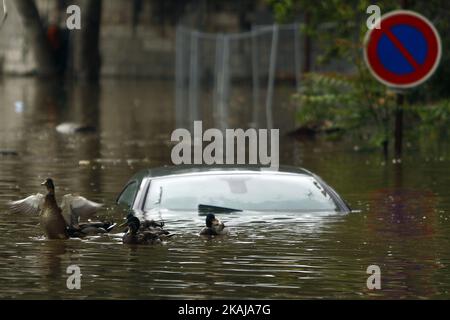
x=203, y=59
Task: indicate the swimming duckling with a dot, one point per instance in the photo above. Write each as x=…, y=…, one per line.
x=135, y=235
x=214, y=226
x=57, y=222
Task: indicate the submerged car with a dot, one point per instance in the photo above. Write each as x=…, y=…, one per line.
x=227, y=189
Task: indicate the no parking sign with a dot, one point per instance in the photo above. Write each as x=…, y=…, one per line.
x=405, y=51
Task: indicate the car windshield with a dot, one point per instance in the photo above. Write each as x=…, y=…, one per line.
x=259, y=192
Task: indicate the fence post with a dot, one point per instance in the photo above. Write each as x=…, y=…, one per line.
x=271, y=80
x=222, y=80
x=194, y=79
x=255, y=78
x=179, y=78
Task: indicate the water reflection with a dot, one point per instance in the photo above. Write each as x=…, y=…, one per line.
x=402, y=224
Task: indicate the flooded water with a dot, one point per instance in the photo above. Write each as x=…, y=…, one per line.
x=402, y=223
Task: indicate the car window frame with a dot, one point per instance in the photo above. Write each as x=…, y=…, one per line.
x=134, y=195
x=340, y=202
x=143, y=198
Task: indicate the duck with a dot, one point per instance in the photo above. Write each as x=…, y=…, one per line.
x=214, y=227
x=149, y=225
x=136, y=234
x=61, y=222
x=90, y=228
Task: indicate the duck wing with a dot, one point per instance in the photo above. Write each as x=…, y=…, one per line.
x=32, y=204
x=76, y=207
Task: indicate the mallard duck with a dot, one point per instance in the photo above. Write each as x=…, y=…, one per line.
x=214, y=226
x=149, y=225
x=138, y=235
x=90, y=228
x=61, y=222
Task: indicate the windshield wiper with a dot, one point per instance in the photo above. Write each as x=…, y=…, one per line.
x=205, y=208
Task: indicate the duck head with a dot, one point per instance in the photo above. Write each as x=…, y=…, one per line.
x=211, y=220
x=214, y=223
x=127, y=219
x=48, y=183
x=133, y=224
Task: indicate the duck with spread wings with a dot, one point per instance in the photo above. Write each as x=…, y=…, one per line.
x=62, y=222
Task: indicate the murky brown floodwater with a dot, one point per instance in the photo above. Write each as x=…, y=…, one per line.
x=403, y=225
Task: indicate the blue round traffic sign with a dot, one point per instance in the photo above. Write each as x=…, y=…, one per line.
x=404, y=51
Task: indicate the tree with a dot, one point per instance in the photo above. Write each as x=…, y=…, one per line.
x=35, y=33
x=357, y=102
x=85, y=55
x=86, y=59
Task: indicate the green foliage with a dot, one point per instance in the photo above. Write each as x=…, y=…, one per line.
x=358, y=103
x=435, y=115
x=428, y=125
x=282, y=9
x=363, y=108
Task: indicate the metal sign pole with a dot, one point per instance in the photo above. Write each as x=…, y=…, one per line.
x=398, y=133
x=406, y=66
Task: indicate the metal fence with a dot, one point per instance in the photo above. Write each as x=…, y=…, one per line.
x=229, y=79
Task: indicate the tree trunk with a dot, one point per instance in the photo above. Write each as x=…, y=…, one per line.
x=86, y=59
x=35, y=33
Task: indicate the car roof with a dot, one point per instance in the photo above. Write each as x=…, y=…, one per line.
x=171, y=171
x=167, y=171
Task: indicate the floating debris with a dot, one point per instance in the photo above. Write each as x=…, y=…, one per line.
x=84, y=162
x=18, y=106
x=72, y=128
x=130, y=162
x=103, y=163
x=108, y=161
x=6, y=152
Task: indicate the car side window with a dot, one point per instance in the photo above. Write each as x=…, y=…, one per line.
x=126, y=198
